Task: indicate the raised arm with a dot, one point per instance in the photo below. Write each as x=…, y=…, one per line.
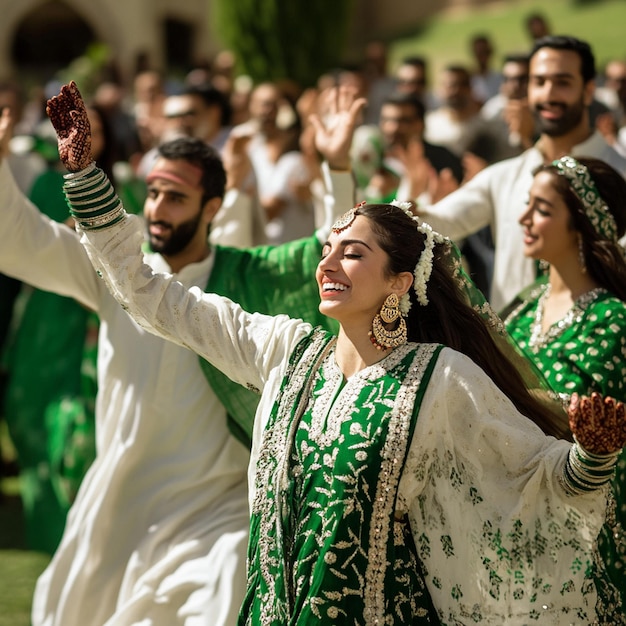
x=599, y=428
x=35, y=249
x=247, y=348
x=338, y=113
x=509, y=504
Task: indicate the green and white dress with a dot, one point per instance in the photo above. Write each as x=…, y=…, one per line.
x=412, y=492
x=340, y=548
x=586, y=352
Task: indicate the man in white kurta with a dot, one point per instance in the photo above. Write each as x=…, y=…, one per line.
x=497, y=196
x=158, y=532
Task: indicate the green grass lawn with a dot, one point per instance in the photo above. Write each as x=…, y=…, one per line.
x=18, y=572
x=445, y=39
x=19, y=568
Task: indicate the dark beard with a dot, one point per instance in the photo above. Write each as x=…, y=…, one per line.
x=571, y=118
x=179, y=238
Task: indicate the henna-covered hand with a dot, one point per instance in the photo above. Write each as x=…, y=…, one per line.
x=69, y=117
x=599, y=424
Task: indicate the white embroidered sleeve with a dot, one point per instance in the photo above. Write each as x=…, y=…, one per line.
x=246, y=347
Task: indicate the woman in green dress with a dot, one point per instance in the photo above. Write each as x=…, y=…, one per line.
x=573, y=325
x=396, y=477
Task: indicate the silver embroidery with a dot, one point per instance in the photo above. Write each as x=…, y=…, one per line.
x=329, y=411
x=393, y=455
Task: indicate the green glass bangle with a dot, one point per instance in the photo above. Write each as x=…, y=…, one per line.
x=94, y=202
x=581, y=477
x=93, y=190
x=119, y=218
x=85, y=189
x=111, y=206
x=575, y=485
x=87, y=171
x=100, y=221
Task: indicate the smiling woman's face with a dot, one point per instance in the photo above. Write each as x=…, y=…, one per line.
x=351, y=275
x=548, y=233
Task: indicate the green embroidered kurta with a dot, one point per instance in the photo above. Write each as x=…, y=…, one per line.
x=327, y=543
x=586, y=352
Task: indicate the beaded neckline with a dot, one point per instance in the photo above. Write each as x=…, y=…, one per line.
x=538, y=339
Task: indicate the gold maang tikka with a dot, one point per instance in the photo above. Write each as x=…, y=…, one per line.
x=346, y=219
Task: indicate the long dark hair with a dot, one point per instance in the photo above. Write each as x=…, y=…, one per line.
x=604, y=259
x=449, y=319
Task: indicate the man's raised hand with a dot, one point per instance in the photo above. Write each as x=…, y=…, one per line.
x=338, y=115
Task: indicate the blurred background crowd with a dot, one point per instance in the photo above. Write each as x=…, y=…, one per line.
x=248, y=94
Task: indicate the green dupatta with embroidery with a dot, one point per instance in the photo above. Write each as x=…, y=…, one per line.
x=328, y=544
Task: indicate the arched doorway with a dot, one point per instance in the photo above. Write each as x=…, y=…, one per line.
x=179, y=36
x=48, y=39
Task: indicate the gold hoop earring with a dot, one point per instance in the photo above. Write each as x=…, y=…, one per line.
x=383, y=338
x=390, y=311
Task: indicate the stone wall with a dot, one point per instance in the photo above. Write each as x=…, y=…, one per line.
x=136, y=27
x=129, y=27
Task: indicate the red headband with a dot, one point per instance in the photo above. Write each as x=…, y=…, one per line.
x=178, y=171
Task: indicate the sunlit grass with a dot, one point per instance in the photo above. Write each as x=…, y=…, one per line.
x=18, y=572
x=19, y=568
x=446, y=38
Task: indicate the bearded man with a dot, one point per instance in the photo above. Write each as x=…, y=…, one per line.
x=561, y=88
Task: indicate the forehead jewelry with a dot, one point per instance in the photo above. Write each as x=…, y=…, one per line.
x=346, y=219
x=596, y=210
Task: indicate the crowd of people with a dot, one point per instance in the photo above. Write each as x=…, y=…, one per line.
x=354, y=354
